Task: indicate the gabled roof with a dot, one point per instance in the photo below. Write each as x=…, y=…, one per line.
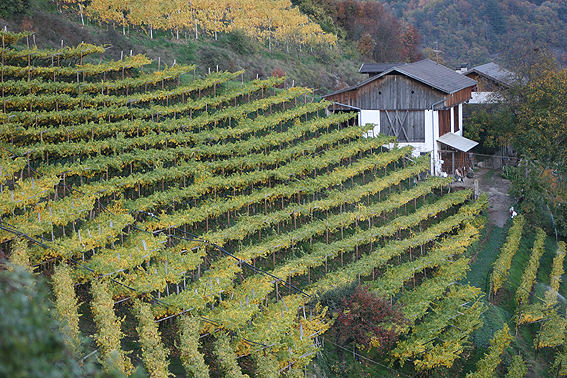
x=377, y=68
x=495, y=72
x=427, y=72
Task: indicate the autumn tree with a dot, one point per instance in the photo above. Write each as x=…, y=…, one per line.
x=366, y=44
x=540, y=138
x=411, y=40
x=393, y=40
x=266, y=20
x=369, y=321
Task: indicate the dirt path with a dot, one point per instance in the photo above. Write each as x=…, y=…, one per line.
x=491, y=182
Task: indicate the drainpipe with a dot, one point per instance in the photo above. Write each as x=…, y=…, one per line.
x=348, y=106
x=434, y=150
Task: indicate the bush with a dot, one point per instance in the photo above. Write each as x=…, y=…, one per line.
x=31, y=344
x=369, y=320
x=241, y=43
x=11, y=8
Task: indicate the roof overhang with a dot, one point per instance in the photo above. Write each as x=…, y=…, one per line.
x=458, y=142
x=403, y=70
x=489, y=77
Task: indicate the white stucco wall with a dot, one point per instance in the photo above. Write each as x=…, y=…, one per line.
x=431, y=133
x=460, y=132
x=372, y=117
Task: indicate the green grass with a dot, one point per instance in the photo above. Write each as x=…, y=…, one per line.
x=483, y=254
x=503, y=307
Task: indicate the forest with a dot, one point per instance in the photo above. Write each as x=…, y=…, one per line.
x=476, y=31
x=464, y=31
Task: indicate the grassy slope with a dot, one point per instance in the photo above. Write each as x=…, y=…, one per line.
x=503, y=307
x=323, y=69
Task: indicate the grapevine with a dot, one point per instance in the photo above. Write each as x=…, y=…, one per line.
x=67, y=306
x=192, y=360
x=153, y=351
x=529, y=276
x=108, y=334
x=504, y=261
x=232, y=205
x=488, y=364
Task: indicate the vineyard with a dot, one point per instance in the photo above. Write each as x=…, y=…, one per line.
x=538, y=313
x=195, y=224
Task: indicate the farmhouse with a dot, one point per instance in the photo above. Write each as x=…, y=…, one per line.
x=491, y=79
x=420, y=103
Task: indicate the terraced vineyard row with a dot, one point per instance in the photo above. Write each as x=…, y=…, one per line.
x=228, y=207
x=540, y=313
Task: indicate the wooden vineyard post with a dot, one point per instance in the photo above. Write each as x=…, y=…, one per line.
x=2, y=73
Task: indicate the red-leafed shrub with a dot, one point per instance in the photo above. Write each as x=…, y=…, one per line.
x=278, y=72
x=368, y=320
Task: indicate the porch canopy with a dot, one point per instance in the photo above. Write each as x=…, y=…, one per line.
x=457, y=142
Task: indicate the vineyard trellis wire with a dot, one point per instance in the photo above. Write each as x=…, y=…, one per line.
x=208, y=200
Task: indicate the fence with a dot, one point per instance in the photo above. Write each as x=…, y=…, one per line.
x=492, y=161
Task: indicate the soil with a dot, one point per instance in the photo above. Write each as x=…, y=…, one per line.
x=491, y=182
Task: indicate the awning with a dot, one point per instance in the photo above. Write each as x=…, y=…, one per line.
x=457, y=141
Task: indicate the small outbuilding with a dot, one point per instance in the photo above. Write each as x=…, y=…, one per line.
x=373, y=69
x=491, y=79
x=418, y=103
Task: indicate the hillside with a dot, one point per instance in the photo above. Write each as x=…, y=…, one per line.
x=475, y=31
x=177, y=206
x=222, y=209
x=322, y=68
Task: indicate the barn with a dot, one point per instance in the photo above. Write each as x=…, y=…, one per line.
x=491, y=79
x=419, y=103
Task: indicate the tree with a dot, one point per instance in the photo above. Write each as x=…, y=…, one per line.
x=368, y=320
x=11, y=8
x=537, y=131
x=393, y=41
x=495, y=17
x=531, y=119
x=542, y=120
x=366, y=44
x=31, y=344
x=411, y=40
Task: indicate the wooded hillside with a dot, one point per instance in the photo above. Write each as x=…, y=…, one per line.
x=474, y=31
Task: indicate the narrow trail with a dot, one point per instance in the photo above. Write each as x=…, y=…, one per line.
x=491, y=182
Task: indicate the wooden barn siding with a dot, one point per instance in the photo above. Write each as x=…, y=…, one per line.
x=390, y=92
x=453, y=160
x=459, y=97
x=444, y=122
x=485, y=84
x=395, y=92
x=413, y=125
x=456, y=117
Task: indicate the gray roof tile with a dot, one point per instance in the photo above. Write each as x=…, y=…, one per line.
x=377, y=67
x=427, y=72
x=495, y=72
